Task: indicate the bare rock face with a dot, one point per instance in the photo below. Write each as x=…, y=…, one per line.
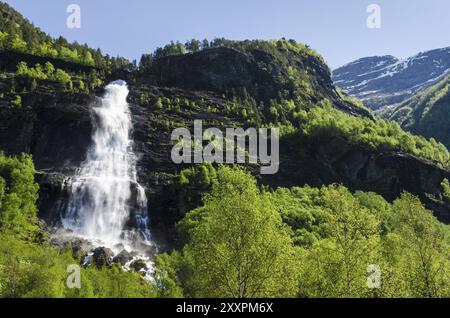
x=55, y=128
x=335, y=160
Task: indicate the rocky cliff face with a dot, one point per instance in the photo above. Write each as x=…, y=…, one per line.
x=263, y=75
x=55, y=128
x=334, y=160
x=385, y=80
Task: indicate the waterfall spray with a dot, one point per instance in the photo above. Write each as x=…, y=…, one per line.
x=104, y=192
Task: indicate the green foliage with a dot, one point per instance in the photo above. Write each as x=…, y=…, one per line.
x=36, y=72
x=94, y=80
x=81, y=86
x=144, y=99
x=47, y=49
x=17, y=101
x=18, y=194
x=338, y=238
x=336, y=265
x=48, y=72
x=17, y=44
x=427, y=113
x=113, y=283
x=49, y=69
x=64, y=78
x=193, y=46
x=326, y=121
x=69, y=54
x=167, y=267
x=18, y=34
x=240, y=248
x=32, y=270
x=3, y=39
x=203, y=176
x=341, y=234
x=159, y=104
x=168, y=50
x=424, y=258
x=446, y=190
x=145, y=63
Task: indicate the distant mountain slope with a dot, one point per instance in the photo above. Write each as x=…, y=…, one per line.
x=385, y=80
x=427, y=113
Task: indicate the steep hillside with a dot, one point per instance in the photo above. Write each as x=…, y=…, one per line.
x=46, y=110
x=385, y=80
x=263, y=70
x=19, y=35
x=427, y=113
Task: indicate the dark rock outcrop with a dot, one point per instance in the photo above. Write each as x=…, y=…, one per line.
x=64, y=240
x=335, y=160
x=102, y=256
x=139, y=265
x=122, y=258
x=55, y=127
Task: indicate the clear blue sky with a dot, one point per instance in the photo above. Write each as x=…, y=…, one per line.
x=335, y=28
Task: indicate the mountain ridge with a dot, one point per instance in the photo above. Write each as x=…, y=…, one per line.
x=386, y=80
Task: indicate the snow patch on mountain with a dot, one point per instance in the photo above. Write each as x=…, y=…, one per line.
x=386, y=80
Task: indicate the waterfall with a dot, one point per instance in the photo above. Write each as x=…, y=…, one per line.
x=105, y=196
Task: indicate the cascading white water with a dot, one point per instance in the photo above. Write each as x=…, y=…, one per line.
x=105, y=190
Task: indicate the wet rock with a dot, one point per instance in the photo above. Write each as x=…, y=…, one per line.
x=139, y=265
x=80, y=247
x=102, y=256
x=119, y=246
x=122, y=258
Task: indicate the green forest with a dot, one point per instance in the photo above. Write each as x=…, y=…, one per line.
x=245, y=241
x=426, y=113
